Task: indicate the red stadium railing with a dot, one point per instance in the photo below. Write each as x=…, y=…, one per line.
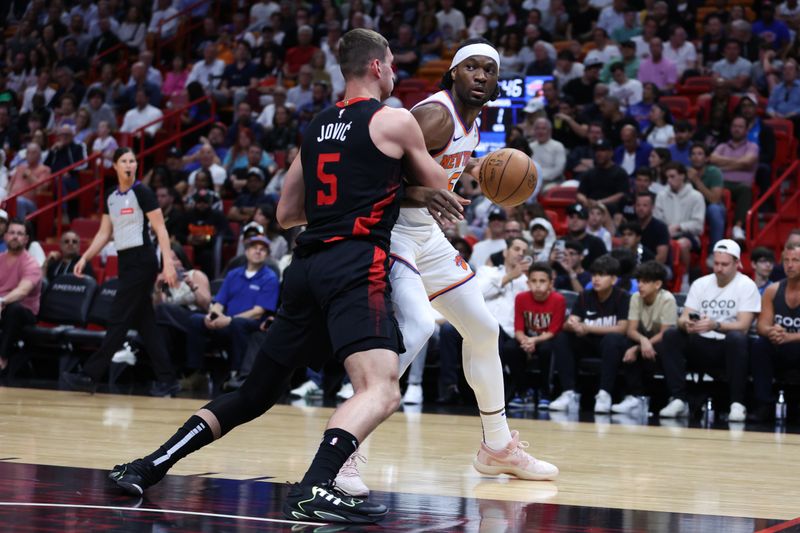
x=773, y=231
x=46, y=224
x=97, y=60
x=177, y=132
x=91, y=172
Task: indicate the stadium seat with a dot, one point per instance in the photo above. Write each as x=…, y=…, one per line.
x=677, y=267
x=571, y=297
x=413, y=98
x=280, y=158
x=411, y=84
x=679, y=106
x=64, y=306
x=98, y=315
x=695, y=86
x=704, y=107
x=216, y=285
x=680, y=301
x=226, y=206
x=558, y=197
x=189, y=251
x=562, y=45
x=86, y=228
x=112, y=266
x=559, y=223
x=785, y=150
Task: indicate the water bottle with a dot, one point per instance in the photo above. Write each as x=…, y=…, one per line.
x=780, y=407
x=708, y=413
x=575, y=404
x=644, y=409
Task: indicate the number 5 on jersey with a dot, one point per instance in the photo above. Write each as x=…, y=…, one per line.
x=327, y=197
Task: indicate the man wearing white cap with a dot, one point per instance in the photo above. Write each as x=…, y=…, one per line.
x=427, y=273
x=712, y=332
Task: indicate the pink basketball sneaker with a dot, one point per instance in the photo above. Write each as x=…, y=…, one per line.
x=349, y=479
x=514, y=461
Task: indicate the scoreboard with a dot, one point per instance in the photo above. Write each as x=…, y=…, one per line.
x=515, y=93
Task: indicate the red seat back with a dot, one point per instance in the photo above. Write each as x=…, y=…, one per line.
x=679, y=106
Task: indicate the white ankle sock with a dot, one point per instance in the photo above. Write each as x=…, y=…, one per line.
x=495, y=430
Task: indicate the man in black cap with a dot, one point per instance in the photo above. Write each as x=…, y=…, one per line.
x=172, y=210
x=204, y=227
x=175, y=166
x=244, y=207
x=606, y=183
x=577, y=215
x=494, y=240
x=250, y=230
x=581, y=90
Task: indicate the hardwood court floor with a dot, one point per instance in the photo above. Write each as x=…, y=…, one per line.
x=678, y=470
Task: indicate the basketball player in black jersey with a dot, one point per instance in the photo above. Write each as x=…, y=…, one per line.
x=346, y=188
x=778, y=344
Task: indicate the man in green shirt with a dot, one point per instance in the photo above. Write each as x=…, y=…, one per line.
x=707, y=179
x=629, y=60
x=652, y=310
x=630, y=29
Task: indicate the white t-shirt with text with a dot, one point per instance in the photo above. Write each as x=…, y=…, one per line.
x=723, y=303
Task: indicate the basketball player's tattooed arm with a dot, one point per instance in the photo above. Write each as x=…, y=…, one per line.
x=291, y=209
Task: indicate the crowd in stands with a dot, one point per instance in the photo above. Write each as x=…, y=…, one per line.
x=657, y=185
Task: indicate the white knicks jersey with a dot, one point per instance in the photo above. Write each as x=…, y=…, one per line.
x=453, y=157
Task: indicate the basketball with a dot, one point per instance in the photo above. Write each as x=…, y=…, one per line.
x=508, y=177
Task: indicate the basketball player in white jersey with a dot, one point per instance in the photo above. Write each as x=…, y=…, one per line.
x=428, y=272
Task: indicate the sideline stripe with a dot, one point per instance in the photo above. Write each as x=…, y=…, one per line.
x=171, y=511
x=781, y=527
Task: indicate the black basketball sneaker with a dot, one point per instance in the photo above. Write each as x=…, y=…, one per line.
x=326, y=503
x=135, y=477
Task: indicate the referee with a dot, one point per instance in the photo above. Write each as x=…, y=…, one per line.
x=126, y=213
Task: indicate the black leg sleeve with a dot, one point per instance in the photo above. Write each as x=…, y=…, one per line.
x=265, y=385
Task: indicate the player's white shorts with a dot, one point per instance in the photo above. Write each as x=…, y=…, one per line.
x=425, y=251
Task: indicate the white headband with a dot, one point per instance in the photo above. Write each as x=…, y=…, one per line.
x=478, y=49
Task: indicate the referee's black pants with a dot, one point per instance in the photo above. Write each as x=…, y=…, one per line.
x=133, y=309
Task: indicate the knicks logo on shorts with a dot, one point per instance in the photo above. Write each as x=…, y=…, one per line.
x=460, y=262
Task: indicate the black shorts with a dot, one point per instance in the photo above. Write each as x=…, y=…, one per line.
x=336, y=301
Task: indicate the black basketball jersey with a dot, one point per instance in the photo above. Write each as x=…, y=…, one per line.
x=785, y=316
x=352, y=189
